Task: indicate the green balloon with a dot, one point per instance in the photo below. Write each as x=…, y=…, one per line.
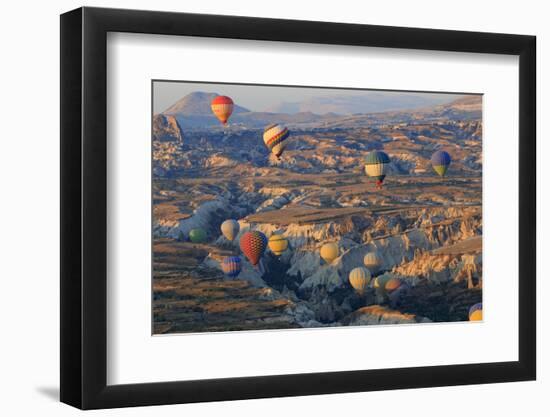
x=197, y=236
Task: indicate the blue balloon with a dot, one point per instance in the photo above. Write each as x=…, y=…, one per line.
x=441, y=158
x=231, y=265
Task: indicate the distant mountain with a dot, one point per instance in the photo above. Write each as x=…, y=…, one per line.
x=263, y=118
x=466, y=108
x=193, y=111
x=369, y=102
x=197, y=104
x=466, y=103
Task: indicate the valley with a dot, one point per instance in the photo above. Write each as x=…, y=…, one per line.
x=427, y=229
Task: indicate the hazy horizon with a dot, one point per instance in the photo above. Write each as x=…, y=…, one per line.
x=290, y=100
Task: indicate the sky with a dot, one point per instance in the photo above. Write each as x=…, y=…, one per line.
x=270, y=98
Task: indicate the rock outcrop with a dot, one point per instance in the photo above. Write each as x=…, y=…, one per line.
x=166, y=129
x=376, y=314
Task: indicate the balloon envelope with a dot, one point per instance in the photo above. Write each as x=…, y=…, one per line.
x=278, y=244
x=275, y=138
x=222, y=107
x=253, y=245
x=440, y=162
x=231, y=266
x=359, y=278
x=380, y=281
x=376, y=165
x=329, y=252
x=230, y=229
x=197, y=236
x=476, y=312
x=392, y=284
x=372, y=260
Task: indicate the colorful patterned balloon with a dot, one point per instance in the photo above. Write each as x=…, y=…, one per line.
x=230, y=229
x=253, y=245
x=440, y=162
x=222, y=107
x=376, y=166
x=275, y=138
x=476, y=312
x=231, y=266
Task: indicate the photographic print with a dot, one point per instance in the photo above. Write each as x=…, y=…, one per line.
x=287, y=207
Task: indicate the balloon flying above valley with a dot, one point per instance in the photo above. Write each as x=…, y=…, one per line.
x=373, y=261
x=377, y=166
x=440, y=162
x=222, y=107
x=231, y=266
x=253, y=245
x=197, y=235
x=476, y=312
x=230, y=229
x=275, y=138
x=359, y=278
x=329, y=252
x=278, y=244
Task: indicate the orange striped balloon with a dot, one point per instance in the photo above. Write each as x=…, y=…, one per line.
x=222, y=107
x=275, y=137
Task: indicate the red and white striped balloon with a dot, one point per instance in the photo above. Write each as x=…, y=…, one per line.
x=222, y=107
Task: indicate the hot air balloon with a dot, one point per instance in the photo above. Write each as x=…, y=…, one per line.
x=376, y=166
x=440, y=162
x=359, y=278
x=392, y=284
x=253, y=245
x=230, y=229
x=373, y=261
x=275, y=138
x=222, y=107
x=380, y=281
x=476, y=312
x=278, y=244
x=329, y=252
x=197, y=235
x=231, y=266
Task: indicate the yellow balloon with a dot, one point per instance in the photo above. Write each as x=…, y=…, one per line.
x=359, y=278
x=476, y=315
x=278, y=244
x=329, y=252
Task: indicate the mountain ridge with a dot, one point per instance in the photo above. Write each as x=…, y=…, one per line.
x=197, y=103
x=193, y=111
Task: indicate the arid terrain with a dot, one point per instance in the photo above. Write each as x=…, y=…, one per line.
x=426, y=228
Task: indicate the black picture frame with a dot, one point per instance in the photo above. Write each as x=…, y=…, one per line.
x=84, y=207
